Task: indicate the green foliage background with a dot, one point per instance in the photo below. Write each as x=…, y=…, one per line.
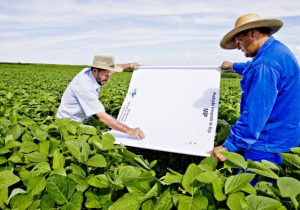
x=60, y=164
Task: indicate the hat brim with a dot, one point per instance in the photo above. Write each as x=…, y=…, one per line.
x=115, y=69
x=228, y=41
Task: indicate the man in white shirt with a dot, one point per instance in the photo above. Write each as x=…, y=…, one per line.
x=81, y=98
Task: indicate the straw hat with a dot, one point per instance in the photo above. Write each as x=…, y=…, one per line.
x=246, y=22
x=105, y=62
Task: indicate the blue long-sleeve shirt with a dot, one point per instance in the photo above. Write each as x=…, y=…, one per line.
x=270, y=103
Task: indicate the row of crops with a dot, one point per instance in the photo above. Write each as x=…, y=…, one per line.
x=60, y=164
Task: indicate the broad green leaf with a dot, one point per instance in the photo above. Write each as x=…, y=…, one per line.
x=4, y=195
x=125, y=173
x=71, y=128
x=128, y=201
x=249, y=189
x=92, y=200
x=36, y=185
x=188, y=180
x=40, y=168
x=12, y=144
x=47, y=202
x=40, y=134
x=21, y=201
x=27, y=137
x=288, y=186
x=270, y=165
x=99, y=181
x=164, y=201
x=97, y=161
x=35, y=205
x=147, y=205
x=172, y=177
x=27, y=147
x=259, y=168
x=235, y=158
x=75, y=202
x=256, y=202
x=218, y=184
x=208, y=176
x=86, y=129
x=2, y=160
x=237, y=182
x=14, y=192
x=58, y=159
x=60, y=188
x=79, y=149
x=292, y=159
x=44, y=147
x=208, y=164
x=15, y=131
x=295, y=150
x=36, y=157
x=106, y=143
x=236, y=201
x=192, y=203
x=139, y=185
x=153, y=192
x=59, y=171
x=7, y=178
x=77, y=170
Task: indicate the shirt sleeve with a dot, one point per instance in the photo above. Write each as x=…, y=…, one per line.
x=239, y=67
x=259, y=102
x=88, y=99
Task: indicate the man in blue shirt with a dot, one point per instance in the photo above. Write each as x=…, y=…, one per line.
x=269, y=120
x=81, y=98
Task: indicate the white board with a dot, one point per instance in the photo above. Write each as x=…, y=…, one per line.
x=176, y=107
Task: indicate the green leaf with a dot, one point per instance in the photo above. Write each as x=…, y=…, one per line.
x=288, y=186
x=125, y=173
x=164, y=202
x=106, y=143
x=7, y=178
x=97, y=161
x=249, y=189
x=36, y=185
x=77, y=170
x=237, y=182
x=4, y=196
x=79, y=149
x=128, y=201
x=47, y=202
x=236, y=201
x=60, y=188
x=44, y=147
x=236, y=159
x=259, y=168
x=188, y=180
x=15, y=131
x=58, y=159
x=208, y=176
x=256, y=202
x=99, y=181
x=208, y=164
x=71, y=128
x=36, y=157
x=75, y=202
x=59, y=171
x=2, y=160
x=147, y=205
x=87, y=129
x=27, y=147
x=192, y=203
x=172, y=177
x=39, y=134
x=21, y=201
x=14, y=192
x=295, y=150
x=40, y=168
x=218, y=184
x=92, y=200
x=292, y=159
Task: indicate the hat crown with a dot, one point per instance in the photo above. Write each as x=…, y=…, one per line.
x=103, y=60
x=246, y=19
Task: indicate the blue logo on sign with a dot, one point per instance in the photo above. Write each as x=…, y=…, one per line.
x=133, y=93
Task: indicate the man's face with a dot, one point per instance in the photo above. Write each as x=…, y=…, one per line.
x=245, y=43
x=101, y=76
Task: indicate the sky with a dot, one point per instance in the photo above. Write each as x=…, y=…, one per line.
x=156, y=32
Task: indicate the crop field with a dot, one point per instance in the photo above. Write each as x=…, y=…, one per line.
x=60, y=164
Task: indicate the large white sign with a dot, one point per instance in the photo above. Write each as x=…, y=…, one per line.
x=176, y=107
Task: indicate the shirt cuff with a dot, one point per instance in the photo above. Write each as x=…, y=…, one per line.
x=230, y=146
x=238, y=67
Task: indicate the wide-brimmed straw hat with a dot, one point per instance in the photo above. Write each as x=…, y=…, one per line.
x=246, y=22
x=105, y=62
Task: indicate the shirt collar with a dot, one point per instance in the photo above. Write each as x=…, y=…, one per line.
x=264, y=47
x=89, y=72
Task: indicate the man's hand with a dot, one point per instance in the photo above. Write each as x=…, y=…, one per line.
x=136, y=132
x=215, y=153
x=226, y=65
